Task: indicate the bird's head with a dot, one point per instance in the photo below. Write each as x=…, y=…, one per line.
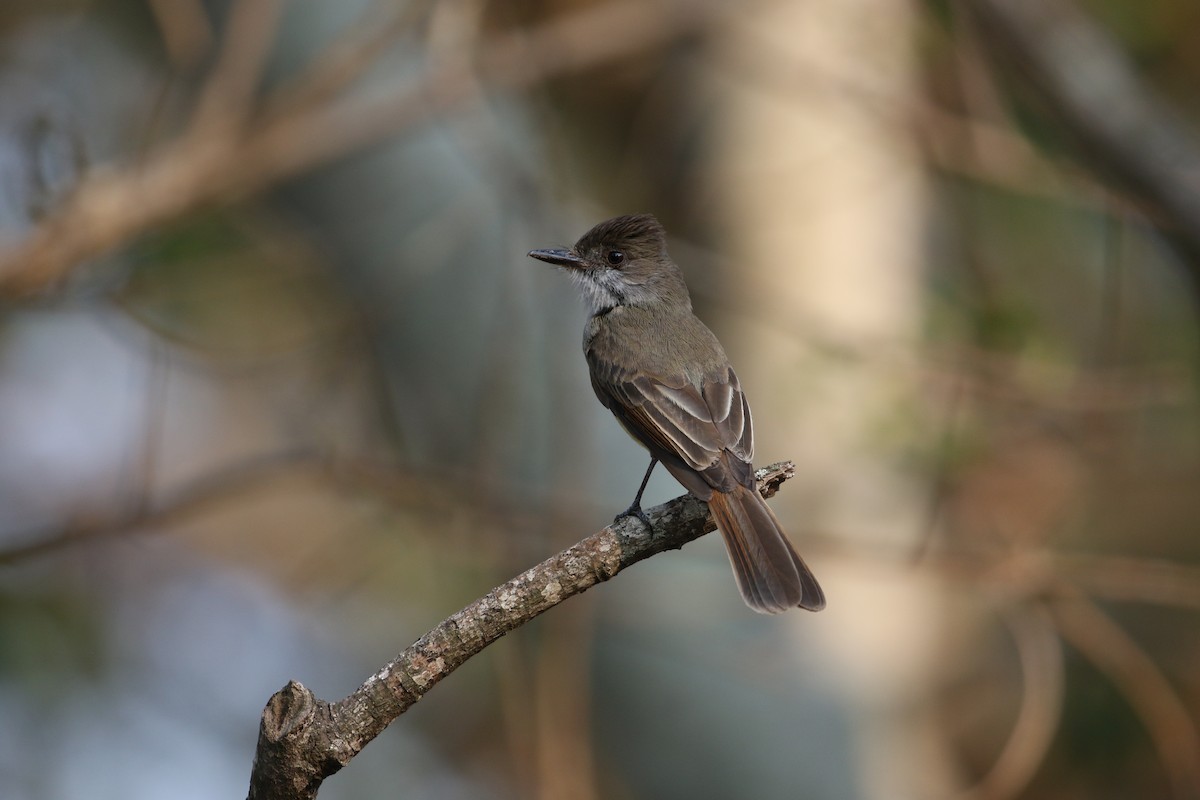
x=622, y=261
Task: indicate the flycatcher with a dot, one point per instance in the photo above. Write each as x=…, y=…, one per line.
x=665, y=377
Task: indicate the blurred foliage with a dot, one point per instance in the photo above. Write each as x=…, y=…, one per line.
x=206, y=284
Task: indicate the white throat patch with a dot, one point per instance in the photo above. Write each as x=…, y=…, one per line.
x=601, y=288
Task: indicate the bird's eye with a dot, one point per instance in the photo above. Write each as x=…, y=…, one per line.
x=614, y=257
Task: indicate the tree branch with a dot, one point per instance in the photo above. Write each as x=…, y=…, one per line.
x=211, y=164
x=1135, y=675
x=303, y=740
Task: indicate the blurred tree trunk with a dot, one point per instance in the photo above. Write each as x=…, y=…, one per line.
x=823, y=201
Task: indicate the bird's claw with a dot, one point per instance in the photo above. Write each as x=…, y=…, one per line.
x=635, y=510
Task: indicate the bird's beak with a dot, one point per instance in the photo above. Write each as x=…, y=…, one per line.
x=559, y=256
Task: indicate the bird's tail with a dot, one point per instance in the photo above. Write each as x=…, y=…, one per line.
x=770, y=575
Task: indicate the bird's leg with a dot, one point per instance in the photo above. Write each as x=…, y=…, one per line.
x=635, y=508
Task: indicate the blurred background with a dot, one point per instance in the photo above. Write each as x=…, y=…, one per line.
x=279, y=390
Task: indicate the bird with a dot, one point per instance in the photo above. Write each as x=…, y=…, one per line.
x=667, y=380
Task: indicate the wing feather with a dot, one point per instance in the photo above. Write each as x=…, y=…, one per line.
x=700, y=426
x=731, y=414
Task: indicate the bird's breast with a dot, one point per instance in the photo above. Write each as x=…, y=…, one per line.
x=664, y=343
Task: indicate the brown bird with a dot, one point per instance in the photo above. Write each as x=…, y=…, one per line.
x=666, y=378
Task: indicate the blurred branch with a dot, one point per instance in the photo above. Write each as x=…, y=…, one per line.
x=1139, y=679
x=185, y=29
x=1041, y=707
x=227, y=98
x=196, y=496
x=344, y=61
x=1142, y=580
x=210, y=164
x=303, y=740
x=228, y=483
x=1126, y=132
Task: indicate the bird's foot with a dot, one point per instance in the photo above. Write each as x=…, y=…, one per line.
x=635, y=510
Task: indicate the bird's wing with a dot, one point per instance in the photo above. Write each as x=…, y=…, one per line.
x=670, y=415
x=731, y=414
